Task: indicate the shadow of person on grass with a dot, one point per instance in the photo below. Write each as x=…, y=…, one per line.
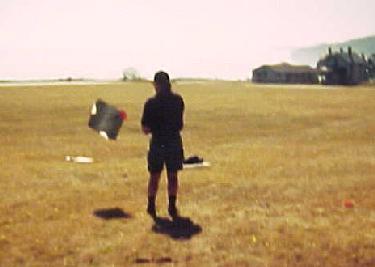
x=181, y=228
x=111, y=213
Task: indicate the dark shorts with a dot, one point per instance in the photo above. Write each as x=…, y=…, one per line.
x=171, y=154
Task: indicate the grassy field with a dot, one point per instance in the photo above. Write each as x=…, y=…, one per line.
x=284, y=159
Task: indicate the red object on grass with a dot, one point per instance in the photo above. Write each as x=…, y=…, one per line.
x=348, y=203
x=123, y=115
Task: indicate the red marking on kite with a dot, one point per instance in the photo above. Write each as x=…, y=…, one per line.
x=123, y=115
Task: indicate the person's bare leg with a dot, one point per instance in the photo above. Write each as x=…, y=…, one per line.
x=172, y=193
x=153, y=184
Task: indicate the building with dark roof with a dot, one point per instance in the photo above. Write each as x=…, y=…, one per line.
x=343, y=68
x=286, y=74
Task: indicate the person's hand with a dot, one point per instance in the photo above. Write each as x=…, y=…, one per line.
x=146, y=130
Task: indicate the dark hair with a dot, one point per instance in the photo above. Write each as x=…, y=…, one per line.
x=161, y=78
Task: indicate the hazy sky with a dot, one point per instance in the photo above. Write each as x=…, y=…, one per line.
x=205, y=38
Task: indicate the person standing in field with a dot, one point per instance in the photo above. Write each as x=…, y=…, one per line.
x=163, y=119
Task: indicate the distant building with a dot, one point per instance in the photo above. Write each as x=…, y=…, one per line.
x=286, y=74
x=343, y=68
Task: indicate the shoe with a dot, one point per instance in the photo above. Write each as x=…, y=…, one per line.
x=151, y=211
x=172, y=210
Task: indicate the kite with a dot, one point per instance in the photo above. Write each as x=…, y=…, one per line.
x=106, y=119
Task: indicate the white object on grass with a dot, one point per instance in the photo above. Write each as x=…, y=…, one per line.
x=79, y=159
x=197, y=165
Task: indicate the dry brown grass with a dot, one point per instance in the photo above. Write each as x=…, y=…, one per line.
x=284, y=158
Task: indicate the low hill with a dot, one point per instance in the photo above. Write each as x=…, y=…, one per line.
x=310, y=55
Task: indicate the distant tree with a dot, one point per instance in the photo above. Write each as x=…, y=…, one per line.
x=130, y=74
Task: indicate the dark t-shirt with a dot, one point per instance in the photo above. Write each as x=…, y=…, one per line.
x=163, y=114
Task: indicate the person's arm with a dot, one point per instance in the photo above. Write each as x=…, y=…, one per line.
x=181, y=119
x=145, y=121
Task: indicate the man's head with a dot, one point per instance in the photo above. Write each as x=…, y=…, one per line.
x=161, y=82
